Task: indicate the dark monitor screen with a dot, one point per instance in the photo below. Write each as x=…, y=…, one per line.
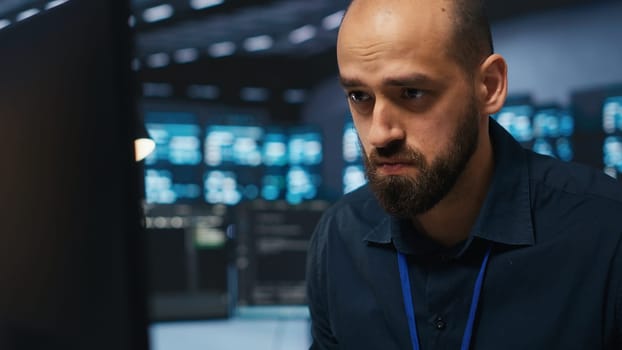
x=70, y=189
x=271, y=250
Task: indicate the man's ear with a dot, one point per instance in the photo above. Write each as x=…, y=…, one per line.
x=492, y=84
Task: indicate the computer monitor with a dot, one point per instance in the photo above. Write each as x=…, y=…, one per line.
x=172, y=171
x=598, y=121
x=353, y=170
x=516, y=119
x=70, y=262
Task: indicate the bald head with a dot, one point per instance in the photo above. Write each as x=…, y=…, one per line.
x=462, y=25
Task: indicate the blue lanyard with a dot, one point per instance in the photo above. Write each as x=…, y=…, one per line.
x=410, y=309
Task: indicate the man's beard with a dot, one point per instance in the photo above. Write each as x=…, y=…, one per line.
x=407, y=196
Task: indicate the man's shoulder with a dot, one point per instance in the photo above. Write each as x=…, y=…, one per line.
x=574, y=180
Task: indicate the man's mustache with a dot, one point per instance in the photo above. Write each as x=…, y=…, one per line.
x=396, y=153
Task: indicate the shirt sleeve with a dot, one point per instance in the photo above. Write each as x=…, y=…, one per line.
x=321, y=331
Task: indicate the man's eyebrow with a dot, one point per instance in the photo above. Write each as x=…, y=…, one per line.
x=407, y=80
x=400, y=81
x=349, y=83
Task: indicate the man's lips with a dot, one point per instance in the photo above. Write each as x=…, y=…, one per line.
x=393, y=167
x=394, y=161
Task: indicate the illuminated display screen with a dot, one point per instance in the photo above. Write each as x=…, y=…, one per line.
x=273, y=184
x=301, y=184
x=230, y=186
x=546, y=130
x=233, y=145
x=612, y=115
x=177, y=138
x=517, y=121
x=353, y=172
x=612, y=155
x=171, y=171
x=305, y=147
x=222, y=187
x=552, y=132
x=229, y=164
x=612, y=144
x=177, y=144
x=552, y=123
x=167, y=186
x=275, y=144
x=302, y=178
x=353, y=177
x=351, y=144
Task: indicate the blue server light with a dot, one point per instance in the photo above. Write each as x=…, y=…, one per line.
x=305, y=146
x=233, y=145
x=612, y=115
x=353, y=177
x=275, y=148
x=517, y=121
x=171, y=171
x=176, y=144
x=353, y=171
x=351, y=144
x=221, y=187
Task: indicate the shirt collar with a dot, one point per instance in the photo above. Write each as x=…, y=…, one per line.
x=505, y=216
x=506, y=213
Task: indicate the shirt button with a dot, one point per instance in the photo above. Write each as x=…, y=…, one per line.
x=440, y=323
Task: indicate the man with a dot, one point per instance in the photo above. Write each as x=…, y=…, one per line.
x=462, y=239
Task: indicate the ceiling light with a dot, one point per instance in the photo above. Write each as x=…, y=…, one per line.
x=202, y=4
x=333, y=21
x=157, y=90
x=302, y=34
x=54, y=3
x=258, y=43
x=158, y=60
x=4, y=23
x=26, y=14
x=225, y=48
x=254, y=94
x=294, y=96
x=208, y=92
x=186, y=55
x=158, y=13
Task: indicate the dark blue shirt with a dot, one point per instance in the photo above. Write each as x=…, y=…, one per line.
x=554, y=278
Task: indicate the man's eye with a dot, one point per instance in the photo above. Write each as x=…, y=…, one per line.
x=358, y=96
x=412, y=93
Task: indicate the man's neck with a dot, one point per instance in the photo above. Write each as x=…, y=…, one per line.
x=452, y=219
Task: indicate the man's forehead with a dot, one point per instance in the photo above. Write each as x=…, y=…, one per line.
x=402, y=7
x=375, y=28
x=397, y=17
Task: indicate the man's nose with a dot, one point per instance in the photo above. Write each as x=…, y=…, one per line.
x=386, y=127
